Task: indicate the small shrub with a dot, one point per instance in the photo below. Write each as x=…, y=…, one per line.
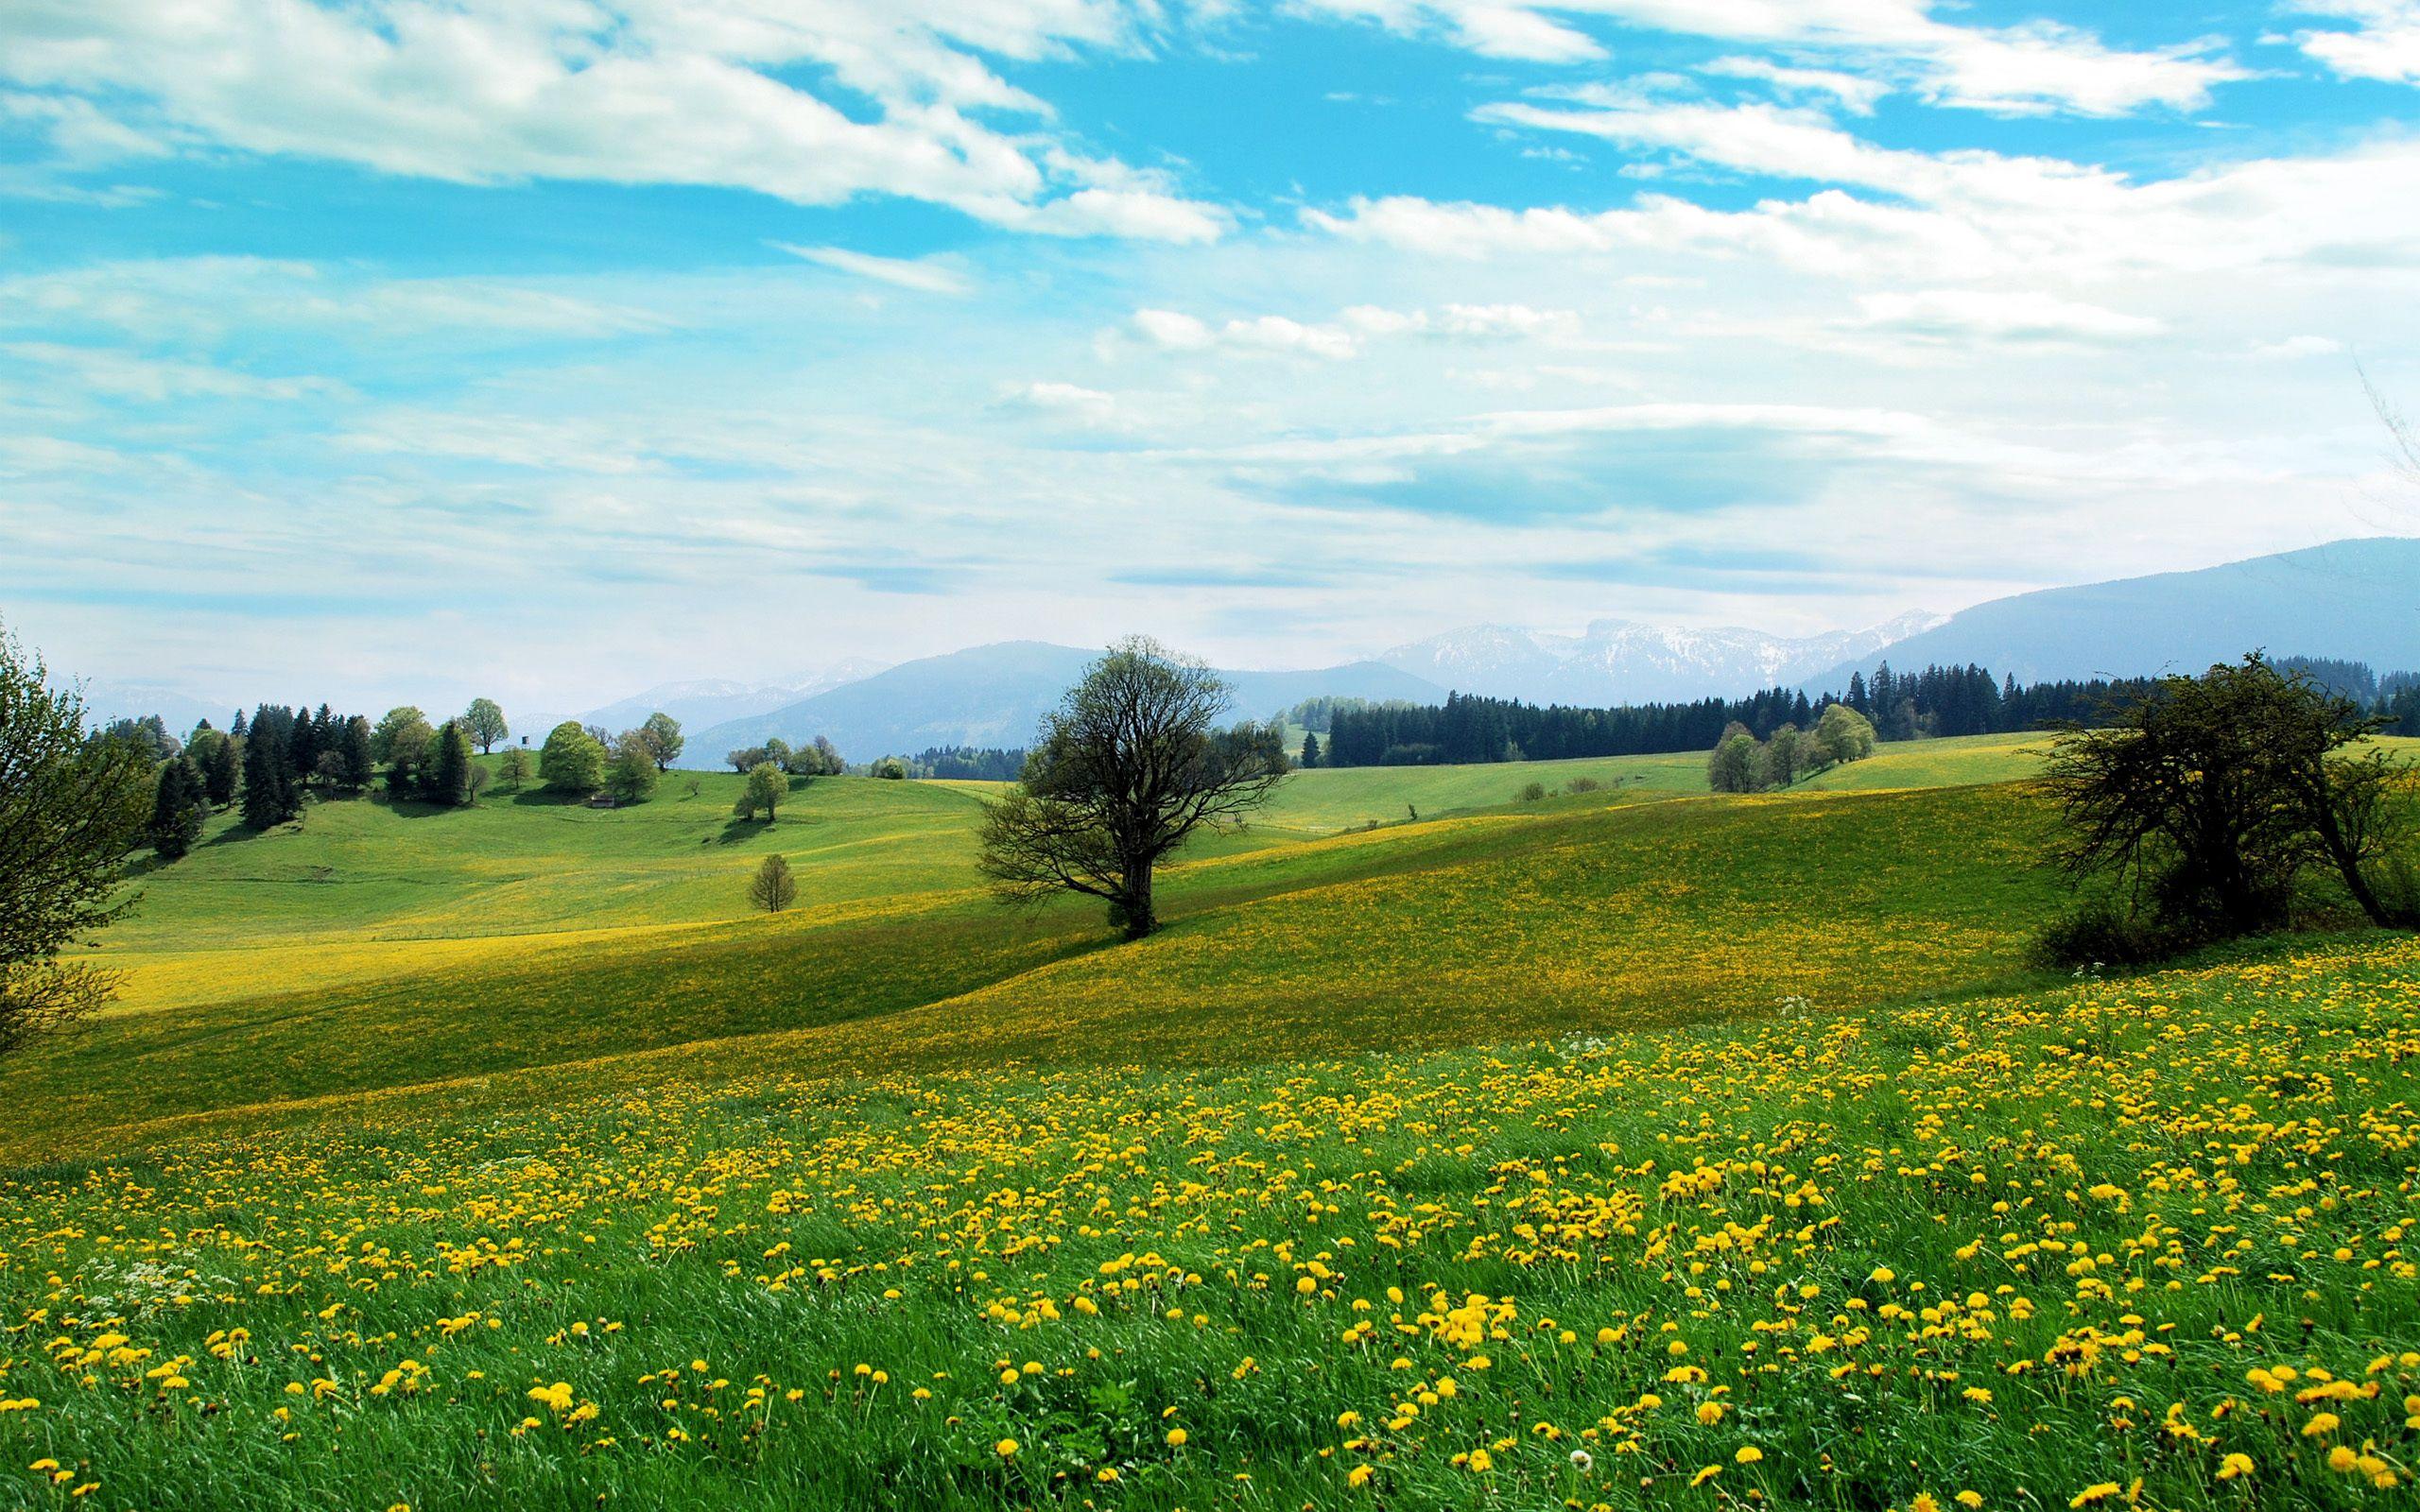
x=1581, y=785
x=2100, y=931
x=1532, y=792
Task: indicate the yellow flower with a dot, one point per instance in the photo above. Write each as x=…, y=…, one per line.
x=1749, y=1454
x=1704, y=1475
x=2094, y=1494
x=2321, y=1423
x=1480, y=1461
x=2235, y=1465
x=1006, y=1448
x=1709, y=1413
x=1358, y=1475
x=1176, y=1438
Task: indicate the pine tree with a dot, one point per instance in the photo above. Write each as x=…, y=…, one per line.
x=269, y=786
x=446, y=780
x=1310, y=749
x=353, y=741
x=178, y=807
x=303, y=749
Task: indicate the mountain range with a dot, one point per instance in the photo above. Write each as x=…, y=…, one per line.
x=996, y=695
x=2355, y=599
x=705, y=701
x=1616, y=662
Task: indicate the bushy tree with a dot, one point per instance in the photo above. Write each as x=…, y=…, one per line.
x=71, y=807
x=1785, y=760
x=1735, y=765
x=744, y=759
x=515, y=767
x=1127, y=766
x=2204, y=803
x=828, y=758
x=891, y=768
x=484, y=722
x=403, y=743
x=663, y=739
x=767, y=788
x=1843, y=735
x=572, y=761
x=179, y=805
x=631, y=774
x=772, y=888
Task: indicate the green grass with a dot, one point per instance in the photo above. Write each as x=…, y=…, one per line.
x=381, y=946
x=2001, y=1247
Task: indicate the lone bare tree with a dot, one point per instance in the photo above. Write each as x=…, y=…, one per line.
x=1129, y=764
x=71, y=806
x=772, y=888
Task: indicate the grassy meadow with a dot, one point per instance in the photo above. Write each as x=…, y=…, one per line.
x=1629, y=1147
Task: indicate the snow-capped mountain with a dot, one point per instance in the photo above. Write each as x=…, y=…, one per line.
x=1616, y=662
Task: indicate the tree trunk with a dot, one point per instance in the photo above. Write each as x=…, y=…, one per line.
x=2348, y=865
x=1134, y=908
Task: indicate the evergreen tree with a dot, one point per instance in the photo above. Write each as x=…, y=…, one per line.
x=239, y=729
x=216, y=758
x=446, y=780
x=269, y=795
x=1310, y=748
x=353, y=742
x=303, y=749
x=178, y=807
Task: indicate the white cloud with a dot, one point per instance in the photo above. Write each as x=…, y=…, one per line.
x=1949, y=216
x=1346, y=336
x=2037, y=66
x=154, y=380
x=2383, y=43
x=166, y=297
x=1090, y=406
x=1854, y=94
x=677, y=91
x=920, y=273
x=1999, y=315
x=2295, y=349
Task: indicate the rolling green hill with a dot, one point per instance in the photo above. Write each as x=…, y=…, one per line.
x=381, y=945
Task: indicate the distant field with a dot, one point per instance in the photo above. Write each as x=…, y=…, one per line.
x=381, y=947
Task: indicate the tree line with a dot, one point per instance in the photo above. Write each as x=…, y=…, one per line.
x=1937, y=700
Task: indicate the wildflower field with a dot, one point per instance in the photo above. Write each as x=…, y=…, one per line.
x=1630, y=1148
x=2137, y=1241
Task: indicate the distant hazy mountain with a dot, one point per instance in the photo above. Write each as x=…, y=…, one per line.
x=707, y=702
x=1617, y=662
x=995, y=696
x=107, y=699
x=2357, y=599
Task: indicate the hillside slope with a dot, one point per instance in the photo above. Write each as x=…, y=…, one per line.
x=381, y=947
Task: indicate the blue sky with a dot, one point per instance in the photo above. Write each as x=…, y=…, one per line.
x=553, y=348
